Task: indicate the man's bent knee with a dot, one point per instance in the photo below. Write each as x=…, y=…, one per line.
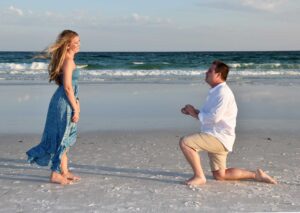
x=182, y=142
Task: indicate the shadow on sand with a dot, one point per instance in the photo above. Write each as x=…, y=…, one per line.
x=17, y=170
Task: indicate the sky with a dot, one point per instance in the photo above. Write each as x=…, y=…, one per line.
x=153, y=25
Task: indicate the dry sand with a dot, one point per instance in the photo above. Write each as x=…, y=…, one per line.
x=144, y=171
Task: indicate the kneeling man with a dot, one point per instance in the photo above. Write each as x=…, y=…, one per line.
x=217, y=136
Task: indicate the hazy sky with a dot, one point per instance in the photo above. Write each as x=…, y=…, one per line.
x=153, y=25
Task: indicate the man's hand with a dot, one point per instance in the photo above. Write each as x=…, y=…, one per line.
x=183, y=110
x=190, y=110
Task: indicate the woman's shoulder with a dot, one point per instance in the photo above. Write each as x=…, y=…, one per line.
x=69, y=64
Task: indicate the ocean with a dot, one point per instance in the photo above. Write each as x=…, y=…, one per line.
x=156, y=67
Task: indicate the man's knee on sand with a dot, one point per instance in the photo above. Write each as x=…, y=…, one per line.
x=219, y=175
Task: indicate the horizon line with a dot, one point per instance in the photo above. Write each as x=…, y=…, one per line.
x=162, y=51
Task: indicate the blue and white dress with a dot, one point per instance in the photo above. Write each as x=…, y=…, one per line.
x=60, y=132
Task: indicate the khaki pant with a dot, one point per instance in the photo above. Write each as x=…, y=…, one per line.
x=217, y=153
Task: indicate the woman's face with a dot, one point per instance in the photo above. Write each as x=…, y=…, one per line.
x=75, y=44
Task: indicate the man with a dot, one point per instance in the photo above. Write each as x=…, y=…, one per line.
x=218, y=121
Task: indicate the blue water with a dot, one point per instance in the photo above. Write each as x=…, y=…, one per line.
x=156, y=66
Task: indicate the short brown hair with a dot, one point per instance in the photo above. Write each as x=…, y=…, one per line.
x=221, y=68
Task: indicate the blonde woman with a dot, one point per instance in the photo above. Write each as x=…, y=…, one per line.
x=60, y=130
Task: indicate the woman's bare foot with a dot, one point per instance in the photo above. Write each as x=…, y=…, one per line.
x=195, y=181
x=70, y=176
x=261, y=176
x=58, y=178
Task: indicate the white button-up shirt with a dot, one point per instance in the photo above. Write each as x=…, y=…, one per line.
x=218, y=115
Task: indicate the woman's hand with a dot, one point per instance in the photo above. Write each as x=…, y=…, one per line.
x=78, y=104
x=75, y=117
x=76, y=112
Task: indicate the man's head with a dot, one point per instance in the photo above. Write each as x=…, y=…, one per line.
x=217, y=73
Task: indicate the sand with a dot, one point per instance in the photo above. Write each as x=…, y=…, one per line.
x=128, y=156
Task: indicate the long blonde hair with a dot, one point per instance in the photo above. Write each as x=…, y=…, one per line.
x=57, y=53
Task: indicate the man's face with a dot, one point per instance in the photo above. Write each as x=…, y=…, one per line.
x=211, y=76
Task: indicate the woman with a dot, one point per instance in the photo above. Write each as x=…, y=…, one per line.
x=64, y=109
